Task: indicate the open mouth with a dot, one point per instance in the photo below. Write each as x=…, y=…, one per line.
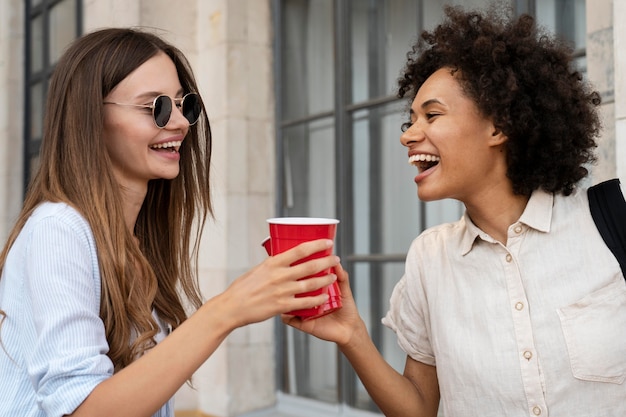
x=423, y=161
x=172, y=146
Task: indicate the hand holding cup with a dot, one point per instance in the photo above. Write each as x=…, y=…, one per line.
x=288, y=232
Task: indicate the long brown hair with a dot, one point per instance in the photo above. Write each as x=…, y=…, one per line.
x=75, y=168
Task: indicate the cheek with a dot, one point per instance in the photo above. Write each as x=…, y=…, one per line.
x=124, y=145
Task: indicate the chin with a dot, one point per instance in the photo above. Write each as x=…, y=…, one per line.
x=166, y=175
x=425, y=195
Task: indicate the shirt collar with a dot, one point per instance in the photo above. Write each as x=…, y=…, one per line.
x=537, y=215
x=538, y=211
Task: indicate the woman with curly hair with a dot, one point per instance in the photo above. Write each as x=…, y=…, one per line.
x=101, y=267
x=518, y=308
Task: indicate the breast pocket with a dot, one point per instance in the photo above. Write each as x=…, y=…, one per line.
x=595, y=333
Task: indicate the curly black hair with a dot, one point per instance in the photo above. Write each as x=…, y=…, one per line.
x=523, y=79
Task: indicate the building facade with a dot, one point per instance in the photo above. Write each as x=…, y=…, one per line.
x=300, y=94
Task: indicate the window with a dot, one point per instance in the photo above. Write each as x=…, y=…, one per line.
x=50, y=26
x=339, y=155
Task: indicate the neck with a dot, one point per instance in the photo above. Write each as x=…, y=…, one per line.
x=132, y=201
x=496, y=210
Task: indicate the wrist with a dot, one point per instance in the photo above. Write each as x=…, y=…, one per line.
x=219, y=315
x=357, y=338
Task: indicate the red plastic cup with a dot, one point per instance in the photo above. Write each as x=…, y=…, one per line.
x=287, y=232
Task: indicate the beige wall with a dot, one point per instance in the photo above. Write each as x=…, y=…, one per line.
x=619, y=43
x=606, y=64
x=11, y=110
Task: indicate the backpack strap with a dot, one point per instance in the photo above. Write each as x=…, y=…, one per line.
x=608, y=209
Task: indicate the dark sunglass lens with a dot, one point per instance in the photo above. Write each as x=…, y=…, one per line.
x=162, y=110
x=191, y=108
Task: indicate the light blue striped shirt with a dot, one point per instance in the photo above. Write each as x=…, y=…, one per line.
x=54, y=344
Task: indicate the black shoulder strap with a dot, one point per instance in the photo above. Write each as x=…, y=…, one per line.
x=608, y=209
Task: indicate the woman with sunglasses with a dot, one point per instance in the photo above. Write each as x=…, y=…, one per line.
x=93, y=321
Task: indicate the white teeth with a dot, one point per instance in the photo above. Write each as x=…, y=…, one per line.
x=423, y=157
x=173, y=144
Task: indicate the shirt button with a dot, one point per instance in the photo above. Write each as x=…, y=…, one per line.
x=528, y=355
x=509, y=258
x=537, y=410
x=518, y=229
x=519, y=306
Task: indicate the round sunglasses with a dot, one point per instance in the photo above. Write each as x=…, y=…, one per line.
x=162, y=107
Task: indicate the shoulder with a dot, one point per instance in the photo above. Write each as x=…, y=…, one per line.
x=60, y=211
x=58, y=224
x=440, y=236
x=57, y=213
x=574, y=207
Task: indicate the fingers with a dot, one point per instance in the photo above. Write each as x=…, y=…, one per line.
x=308, y=259
x=307, y=249
x=310, y=301
x=311, y=286
x=301, y=272
x=341, y=273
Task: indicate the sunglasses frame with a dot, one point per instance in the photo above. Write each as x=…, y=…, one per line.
x=174, y=102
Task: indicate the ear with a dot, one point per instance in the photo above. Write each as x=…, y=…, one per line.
x=497, y=137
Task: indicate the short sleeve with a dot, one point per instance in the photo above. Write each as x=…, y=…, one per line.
x=408, y=313
x=63, y=286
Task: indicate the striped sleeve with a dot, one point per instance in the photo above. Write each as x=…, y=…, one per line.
x=63, y=284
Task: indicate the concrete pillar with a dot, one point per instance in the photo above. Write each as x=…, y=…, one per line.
x=619, y=36
x=233, y=64
x=11, y=112
x=601, y=73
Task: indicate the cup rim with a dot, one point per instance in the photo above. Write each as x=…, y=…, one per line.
x=302, y=220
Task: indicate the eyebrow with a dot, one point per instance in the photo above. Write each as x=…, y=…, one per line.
x=426, y=104
x=429, y=102
x=153, y=94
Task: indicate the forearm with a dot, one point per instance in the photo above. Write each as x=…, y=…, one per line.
x=143, y=387
x=395, y=394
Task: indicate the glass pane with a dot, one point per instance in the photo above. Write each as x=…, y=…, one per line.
x=580, y=64
x=309, y=190
x=36, y=45
x=564, y=17
x=402, y=28
x=442, y=211
x=361, y=73
x=62, y=28
x=36, y=110
x=311, y=367
x=33, y=166
x=307, y=84
x=382, y=33
x=433, y=9
x=372, y=286
x=386, y=209
x=309, y=175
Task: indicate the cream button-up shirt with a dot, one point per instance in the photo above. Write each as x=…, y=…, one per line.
x=533, y=328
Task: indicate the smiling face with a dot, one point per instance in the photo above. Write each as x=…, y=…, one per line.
x=457, y=151
x=138, y=149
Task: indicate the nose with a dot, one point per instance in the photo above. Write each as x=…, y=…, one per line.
x=177, y=120
x=413, y=134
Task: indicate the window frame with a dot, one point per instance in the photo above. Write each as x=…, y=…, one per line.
x=35, y=9
x=342, y=114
